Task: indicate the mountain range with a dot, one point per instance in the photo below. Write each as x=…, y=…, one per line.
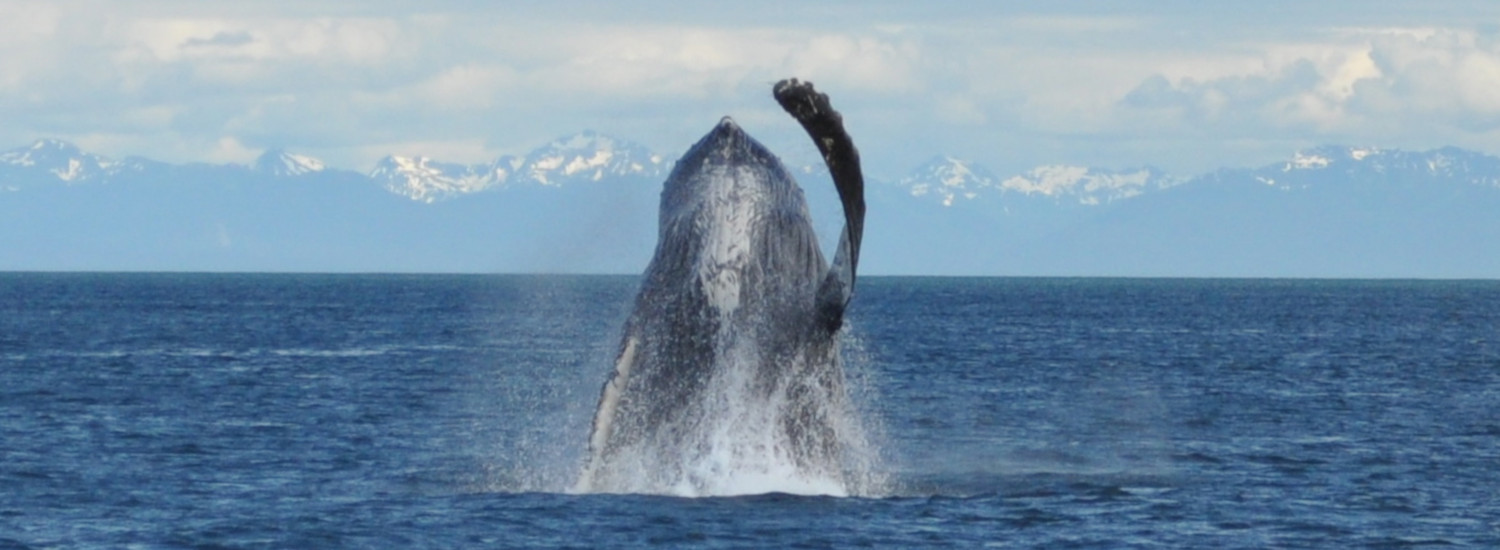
x=587, y=203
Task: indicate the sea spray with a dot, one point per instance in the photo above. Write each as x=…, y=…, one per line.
x=737, y=442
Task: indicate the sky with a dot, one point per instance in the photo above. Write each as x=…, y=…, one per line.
x=1187, y=86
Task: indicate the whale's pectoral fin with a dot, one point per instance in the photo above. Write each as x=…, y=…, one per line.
x=826, y=126
x=838, y=286
x=604, y=417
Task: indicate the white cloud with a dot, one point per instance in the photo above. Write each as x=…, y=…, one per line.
x=1377, y=84
x=1447, y=75
x=350, y=40
x=870, y=63
x=27, y=28
x=961, y=110
x=1030, y=84
x=459, y=88
x=229, y=150
x=636, y=62
x=1354, y=68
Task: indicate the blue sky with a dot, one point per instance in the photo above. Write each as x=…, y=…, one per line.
x=1187, y=86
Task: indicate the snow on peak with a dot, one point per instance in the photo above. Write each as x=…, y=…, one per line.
x=1381, y=165
x=1459, y=164
x=427, y=180
x=1322, y=157
x=1048, y=180
x=1307, y=161
x=1088, y=186
x=589, y=156
x=281, y=163
x=62, y=160
x=41, y=150
x=950, y=179
x=584, y=157
x=48, y=144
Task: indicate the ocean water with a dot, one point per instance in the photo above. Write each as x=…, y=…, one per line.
x=316, y=411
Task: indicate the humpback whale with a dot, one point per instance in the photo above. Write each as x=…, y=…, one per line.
x=728, y=366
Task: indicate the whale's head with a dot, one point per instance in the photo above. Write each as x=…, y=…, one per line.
x=730, y=212
x=728, y=171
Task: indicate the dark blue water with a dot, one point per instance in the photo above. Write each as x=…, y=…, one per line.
x=310, y=411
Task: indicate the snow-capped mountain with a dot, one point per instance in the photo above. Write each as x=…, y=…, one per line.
x=1088, y=186
x=1324, y=211
x=950, y=180
x=590, y=156
x=947, y=179
x=1331, y=211
x=277, y=162
x=1307, y=167
x=585, y=157
x=427, y=180
x=54, y=159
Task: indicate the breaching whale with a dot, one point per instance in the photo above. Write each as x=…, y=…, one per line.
x=728, y=377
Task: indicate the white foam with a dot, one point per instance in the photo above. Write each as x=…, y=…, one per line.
x=737, y=445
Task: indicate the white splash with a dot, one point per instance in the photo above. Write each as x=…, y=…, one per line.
x=743, y=451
